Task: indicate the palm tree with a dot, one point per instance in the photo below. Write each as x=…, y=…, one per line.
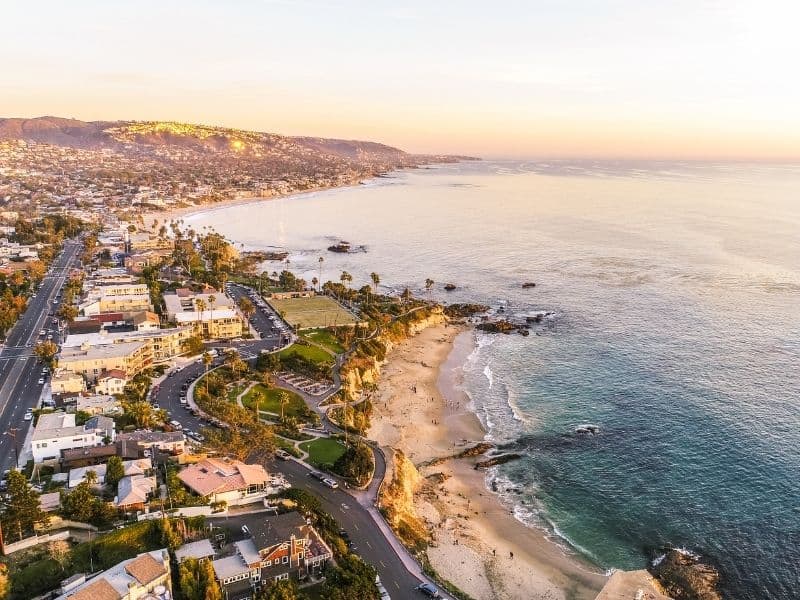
x=314, y=282
x=257, y=398
x=320, y=260
x=211, y=300
x=375, y=281
x=283, y=398
x=90, y=477
x=201, y=308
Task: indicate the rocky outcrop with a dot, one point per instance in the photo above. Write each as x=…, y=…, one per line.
x=462, y=310
x=500, y=459
x=396, y=502
x=684, y=577
x=528, y=284
x=449, y=286
x=501, y=326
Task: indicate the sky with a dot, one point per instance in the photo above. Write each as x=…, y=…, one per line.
x=534, y=79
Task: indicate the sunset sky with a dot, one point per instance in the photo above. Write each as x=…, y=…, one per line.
x=552, y=78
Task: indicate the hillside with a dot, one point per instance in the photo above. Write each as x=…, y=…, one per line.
x=147, y=136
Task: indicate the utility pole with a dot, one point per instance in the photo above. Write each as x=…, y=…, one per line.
x=13, y=433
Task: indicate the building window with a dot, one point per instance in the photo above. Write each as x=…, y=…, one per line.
x=285, y=559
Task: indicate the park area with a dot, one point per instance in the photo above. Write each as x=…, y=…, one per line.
x=269, y=400
x=313, y=312
x=323, y=451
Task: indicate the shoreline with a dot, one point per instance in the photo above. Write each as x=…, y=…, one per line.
x=174, y=214
x=420, y=410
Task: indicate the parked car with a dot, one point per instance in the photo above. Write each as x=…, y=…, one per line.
x=428, y=590
x=41, y=381
x=316, y=475
x=176, y=425
x=330, y=483
x=28, y=416
x=282, y=454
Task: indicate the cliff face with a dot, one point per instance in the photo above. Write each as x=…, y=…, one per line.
x=396, y=501
x=364, y=372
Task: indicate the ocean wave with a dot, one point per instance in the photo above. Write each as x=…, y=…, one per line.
x=487, y=371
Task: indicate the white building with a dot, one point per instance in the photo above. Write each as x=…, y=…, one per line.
x=55, y=432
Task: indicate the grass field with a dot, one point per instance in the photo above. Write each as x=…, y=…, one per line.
x=270, y=401
x=324, y=338
x=323, y=451
x=309, y=313
x=312, y=353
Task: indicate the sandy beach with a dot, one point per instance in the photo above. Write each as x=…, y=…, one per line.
x=477, y=543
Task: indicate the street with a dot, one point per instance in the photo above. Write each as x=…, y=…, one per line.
x=20, y=371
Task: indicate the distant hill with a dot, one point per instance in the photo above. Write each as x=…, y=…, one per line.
x=144, y=135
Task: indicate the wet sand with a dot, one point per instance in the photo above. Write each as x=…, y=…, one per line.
x=420, y=410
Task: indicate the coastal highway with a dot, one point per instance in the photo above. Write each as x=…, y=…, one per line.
x=20, y=371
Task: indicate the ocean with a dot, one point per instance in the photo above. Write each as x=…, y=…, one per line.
x=673, y=300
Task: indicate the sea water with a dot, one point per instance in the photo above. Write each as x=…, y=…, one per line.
x=674, y=298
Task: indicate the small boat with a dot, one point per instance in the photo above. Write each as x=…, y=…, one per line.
x=587, y=429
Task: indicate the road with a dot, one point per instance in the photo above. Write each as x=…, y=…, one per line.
x=20, y=371
x=368, y=539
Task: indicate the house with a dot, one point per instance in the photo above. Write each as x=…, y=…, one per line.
x=219, y=324
x=200, y=550
x=111, y=382
x=101, y=403
x=276, y=547
x=146, y=576
x=223, y=480
x=146, y=321
x=67, y=382
x=55, y=432
x=166, y=441
x=138, y=466
x=133, y=491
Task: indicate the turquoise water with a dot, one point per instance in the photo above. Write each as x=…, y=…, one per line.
x=675, y=290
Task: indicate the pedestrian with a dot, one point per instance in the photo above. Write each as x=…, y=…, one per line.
x=511, y=554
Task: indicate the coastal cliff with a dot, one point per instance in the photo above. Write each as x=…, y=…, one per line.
x=362, y=370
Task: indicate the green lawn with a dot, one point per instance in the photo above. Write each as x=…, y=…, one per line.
x=314, y=312
x=323, y=451
x=270, y=401
x=325, y=338
x=311, y=353
x=235, y=391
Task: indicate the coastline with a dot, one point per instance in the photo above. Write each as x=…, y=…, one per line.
x=419, y=410
x=173, y=214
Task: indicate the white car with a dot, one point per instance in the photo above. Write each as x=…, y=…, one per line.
x=330, y=483
x=28, y=416
x=41, y=381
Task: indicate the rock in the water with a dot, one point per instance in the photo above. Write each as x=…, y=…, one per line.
x=684, y=577
x=528, y=284
x=464, y=310
x=497, y=460
x=449, y=286
x=501, y=326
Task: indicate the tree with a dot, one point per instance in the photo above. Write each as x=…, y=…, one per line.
x=141, y=412
x=211, y=300
x=352, y=578
x=375, y=281
x=22, y=509
x=314, y=282
x=197, y=580
x=345, y=278
x=285, y=589
x=68, y=312
x=356, y=463
x=283, y=398
x=201, y=307
x=320, y=260
x=90, y=477
x=246, y=307
x=46, y=352
x=114, y=471
x=406, y=296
